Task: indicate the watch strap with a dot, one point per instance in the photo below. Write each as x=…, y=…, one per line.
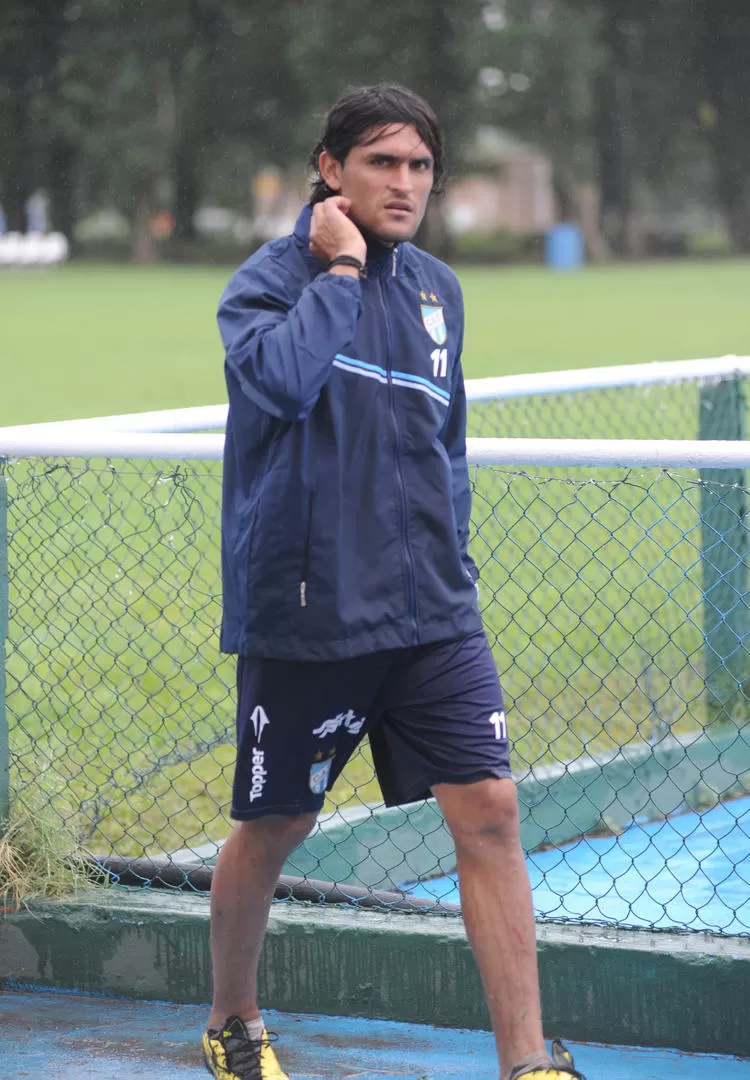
x=348, y=260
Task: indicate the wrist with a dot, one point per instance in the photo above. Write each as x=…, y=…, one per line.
x=351, y=252
x=345, y=263
x=345, y=271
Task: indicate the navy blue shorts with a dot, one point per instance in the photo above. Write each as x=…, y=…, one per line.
x=434, y=714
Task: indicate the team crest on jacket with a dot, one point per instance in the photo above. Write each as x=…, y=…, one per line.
x=434, y=323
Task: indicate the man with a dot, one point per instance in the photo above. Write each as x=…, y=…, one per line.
x=349, y=592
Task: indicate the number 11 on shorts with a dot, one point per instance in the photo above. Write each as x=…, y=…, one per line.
x=498, y=721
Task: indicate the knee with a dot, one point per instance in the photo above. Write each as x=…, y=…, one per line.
x=278, y=831
x=484, y=816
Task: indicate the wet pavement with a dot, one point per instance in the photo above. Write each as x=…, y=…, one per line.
x=70, y=1037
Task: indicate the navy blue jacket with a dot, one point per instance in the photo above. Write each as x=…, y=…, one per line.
x=346, y=493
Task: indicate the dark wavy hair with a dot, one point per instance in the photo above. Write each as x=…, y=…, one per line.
x=363, y=109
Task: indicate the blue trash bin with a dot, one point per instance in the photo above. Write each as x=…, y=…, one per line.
x=564, y=248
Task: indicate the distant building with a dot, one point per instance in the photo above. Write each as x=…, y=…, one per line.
x=507, y=186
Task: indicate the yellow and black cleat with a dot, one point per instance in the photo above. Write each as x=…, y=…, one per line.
x=230, y=1054
x=563, y=1068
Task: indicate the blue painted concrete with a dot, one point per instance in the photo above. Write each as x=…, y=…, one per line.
x=67, y=1037
x=691, y=870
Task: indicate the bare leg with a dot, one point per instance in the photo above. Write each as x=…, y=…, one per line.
x=246, y=873
x=497, y=910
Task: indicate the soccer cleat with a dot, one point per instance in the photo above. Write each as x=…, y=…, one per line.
x=230, y=1054
x=563, y=1068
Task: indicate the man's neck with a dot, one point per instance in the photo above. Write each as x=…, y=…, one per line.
x=374, y=243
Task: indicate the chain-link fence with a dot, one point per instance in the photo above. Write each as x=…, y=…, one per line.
x=616, y=603
x=706, y=408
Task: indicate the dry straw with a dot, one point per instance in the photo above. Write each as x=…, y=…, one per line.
x=40, y=856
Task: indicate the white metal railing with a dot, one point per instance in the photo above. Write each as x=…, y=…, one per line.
x=602, y=378
x=197, y=418
x=213, y=417
x=90, y=442
x=659, y=453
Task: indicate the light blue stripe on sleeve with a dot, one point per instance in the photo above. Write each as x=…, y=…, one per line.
x=362, y=364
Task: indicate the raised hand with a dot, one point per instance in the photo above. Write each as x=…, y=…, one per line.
x=332, y=232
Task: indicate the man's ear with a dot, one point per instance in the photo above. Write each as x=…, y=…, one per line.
x=330, y=170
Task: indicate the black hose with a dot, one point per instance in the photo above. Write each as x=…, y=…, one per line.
x=164, y=873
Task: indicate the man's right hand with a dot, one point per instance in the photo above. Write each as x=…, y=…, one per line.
x=332, y=233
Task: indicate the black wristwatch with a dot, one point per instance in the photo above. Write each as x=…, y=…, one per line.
x=348, y=260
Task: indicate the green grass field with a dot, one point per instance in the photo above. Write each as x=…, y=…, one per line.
x=118, y=702
x=96, y=340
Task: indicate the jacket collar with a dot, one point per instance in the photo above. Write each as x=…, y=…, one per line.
x=382, y=259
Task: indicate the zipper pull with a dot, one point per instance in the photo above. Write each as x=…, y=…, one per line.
x=393, y=273
x=303, y=594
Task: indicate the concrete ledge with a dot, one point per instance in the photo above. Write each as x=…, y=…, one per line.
x=602, y=985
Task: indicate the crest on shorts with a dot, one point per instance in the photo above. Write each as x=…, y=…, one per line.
x=319, y=773
x=434, y=323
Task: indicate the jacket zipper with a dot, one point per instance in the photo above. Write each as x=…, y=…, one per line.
x=399, y=473
x=306, y=556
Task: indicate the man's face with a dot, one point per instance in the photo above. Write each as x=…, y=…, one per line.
x=388, y=181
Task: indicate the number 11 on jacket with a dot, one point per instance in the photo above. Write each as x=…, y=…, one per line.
x=439, y=359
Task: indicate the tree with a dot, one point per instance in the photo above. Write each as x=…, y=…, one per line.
x=608, y=89
x=537, y=72
x=194, y=72
x=158, y=107
x=645, y=104
x=62, y=92
x=43, y=88
x=724, y=49
x=19, y=80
